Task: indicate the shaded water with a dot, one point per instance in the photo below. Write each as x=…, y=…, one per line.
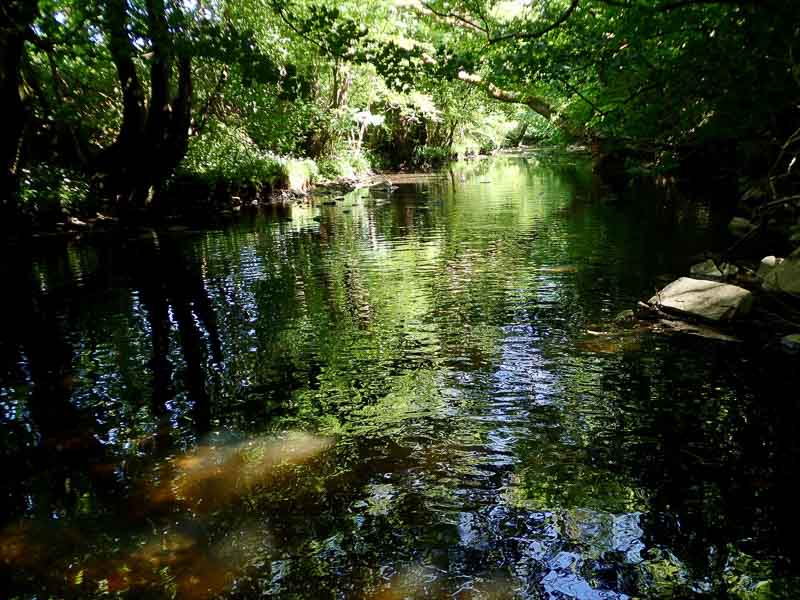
x=401, y=395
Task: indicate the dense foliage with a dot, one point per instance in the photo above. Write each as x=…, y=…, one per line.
x=125, y=97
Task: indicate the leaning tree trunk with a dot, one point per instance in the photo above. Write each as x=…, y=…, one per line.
x=16, y=17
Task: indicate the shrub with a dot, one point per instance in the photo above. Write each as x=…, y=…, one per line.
x=48, y=193
x=224, y=154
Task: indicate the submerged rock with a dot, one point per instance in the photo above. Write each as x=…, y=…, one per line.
x=709, y=300
x=624, y=316
x=699, y=330
x=791, y=343
x=785, y=277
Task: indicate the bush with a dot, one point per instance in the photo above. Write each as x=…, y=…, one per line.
x=224, y=154
x=542, y=131
x=431, y=157
x=349, y=164
x=299, y=174
x=49, y=193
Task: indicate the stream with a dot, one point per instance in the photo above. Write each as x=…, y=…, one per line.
x=400, y=393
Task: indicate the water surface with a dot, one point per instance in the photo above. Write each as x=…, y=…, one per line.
x=418, y=393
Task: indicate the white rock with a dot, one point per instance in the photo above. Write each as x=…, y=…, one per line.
x=710, y=300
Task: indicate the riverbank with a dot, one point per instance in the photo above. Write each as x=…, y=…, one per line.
x=194, y=199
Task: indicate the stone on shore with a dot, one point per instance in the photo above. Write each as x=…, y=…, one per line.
x=710, y=300
x=707, y=268
x=767, y=266
x=785, y=277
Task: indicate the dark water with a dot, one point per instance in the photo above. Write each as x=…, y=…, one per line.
x=407, y=395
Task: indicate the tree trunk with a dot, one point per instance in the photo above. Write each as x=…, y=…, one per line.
x=521, y=134
x=154, y=135
x=16, y=16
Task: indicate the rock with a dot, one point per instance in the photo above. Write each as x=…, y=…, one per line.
x=709, y=300
x=768, y=264
x=791, y=343
x=729, y=270
x=707, y=268
x=670, y=326
x=740, y=226
x=785, y=277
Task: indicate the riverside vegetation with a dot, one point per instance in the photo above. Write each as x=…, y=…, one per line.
x=149, y=105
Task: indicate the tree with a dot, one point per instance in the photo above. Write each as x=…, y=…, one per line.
x=154, y=132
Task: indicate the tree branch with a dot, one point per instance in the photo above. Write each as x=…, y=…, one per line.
x=519, y=35
x=456, y=17
x=677, y=4
x=536, y=104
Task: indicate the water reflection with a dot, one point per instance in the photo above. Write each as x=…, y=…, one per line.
x=421, y=395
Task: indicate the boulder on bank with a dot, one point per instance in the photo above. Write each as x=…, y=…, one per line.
x=710, y=300
x=785, y=276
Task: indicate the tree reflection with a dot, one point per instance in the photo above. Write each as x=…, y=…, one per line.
x=173, y=291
